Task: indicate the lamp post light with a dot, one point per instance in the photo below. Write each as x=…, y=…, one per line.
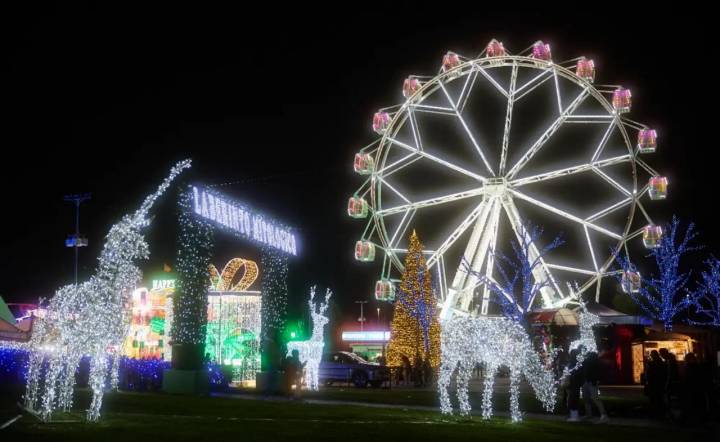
x=361, y=319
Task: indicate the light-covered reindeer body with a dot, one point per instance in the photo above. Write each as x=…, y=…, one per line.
x=90, y=318
x=494, y=342
x=311, y=351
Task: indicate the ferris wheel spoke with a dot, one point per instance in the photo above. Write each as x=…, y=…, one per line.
x=401, y=228
x=644, y=212
x=492, y=80
x=398, y=164
x=531, y=85
x=645, y=166
x=467, y=129
x=414, y=127
x=572, y=269
x=437, y=160
x=590, y=247
x=431, y=109
x=612, y=182
x=547, y=134
x=395, y=191
x=603, y=142
x=565, y=214
x=465, y=92
x=557, y=92
x=431, y=201
x=580, y=168
x=508, y=119
x=481, y=209
x=609, y=210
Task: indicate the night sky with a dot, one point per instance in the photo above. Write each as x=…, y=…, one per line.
x=276, y=102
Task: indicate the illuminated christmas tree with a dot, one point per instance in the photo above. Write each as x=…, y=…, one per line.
x=415, y=330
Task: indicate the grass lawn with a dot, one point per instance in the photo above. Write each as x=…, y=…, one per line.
x=155, y=416
x=615, y=405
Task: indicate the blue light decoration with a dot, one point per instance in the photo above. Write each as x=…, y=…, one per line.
x=707, y=296
x=664, y=295
x=134, y=374
x=13, y=365
x=517, y=287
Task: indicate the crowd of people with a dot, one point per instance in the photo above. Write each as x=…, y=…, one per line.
x=671, y=395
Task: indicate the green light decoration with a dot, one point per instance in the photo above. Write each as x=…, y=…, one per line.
x=233, y=331
x=157, y=325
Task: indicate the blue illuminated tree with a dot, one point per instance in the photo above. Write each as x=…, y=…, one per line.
x=663, y=295
x=707, y=299
x=516, y=287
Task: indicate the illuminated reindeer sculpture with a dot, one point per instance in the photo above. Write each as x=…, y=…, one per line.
x=311, y=350
x=90, y=318
x=495, y=342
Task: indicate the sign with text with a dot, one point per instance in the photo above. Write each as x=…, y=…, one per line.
x=243, y=221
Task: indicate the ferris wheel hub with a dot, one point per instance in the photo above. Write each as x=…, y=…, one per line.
x=495, y=187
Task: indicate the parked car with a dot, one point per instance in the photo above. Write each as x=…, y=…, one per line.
x=343, y=366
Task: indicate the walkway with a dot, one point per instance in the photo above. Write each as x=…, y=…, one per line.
x=643, y=423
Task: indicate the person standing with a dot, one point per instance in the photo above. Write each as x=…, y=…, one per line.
x=694, y=391
x=591, y=371
x=574, y=383
x=293, y=374
x=655, y=381
x=672, y=380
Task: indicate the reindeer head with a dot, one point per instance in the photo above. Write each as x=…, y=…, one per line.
x=541, y=378
x=125, y=243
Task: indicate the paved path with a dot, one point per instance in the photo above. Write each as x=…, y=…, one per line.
x=644, y=423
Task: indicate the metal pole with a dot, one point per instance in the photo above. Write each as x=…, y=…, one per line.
x=361, y=319
x=76, y=241
x=77, y=235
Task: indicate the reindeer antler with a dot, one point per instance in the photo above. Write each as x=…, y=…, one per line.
x=324, y=306
x=312, y=297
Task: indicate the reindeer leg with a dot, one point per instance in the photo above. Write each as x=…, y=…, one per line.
x=488, y=385
x=67, y=383
x=463, y=378
x=50, y=387
x=33, y=379
x=515, y=414
x=447, y=366
x=98, y=374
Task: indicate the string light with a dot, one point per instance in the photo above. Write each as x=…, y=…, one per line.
x=274, y=289
x=494, y=342
x=311, y=351
x=518, y=287
x=415, y=330
x=195, y=244
x=90, y=318
x=664, y=296
x=707, y=298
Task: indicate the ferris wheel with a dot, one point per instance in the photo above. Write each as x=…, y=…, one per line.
x=476, y=152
